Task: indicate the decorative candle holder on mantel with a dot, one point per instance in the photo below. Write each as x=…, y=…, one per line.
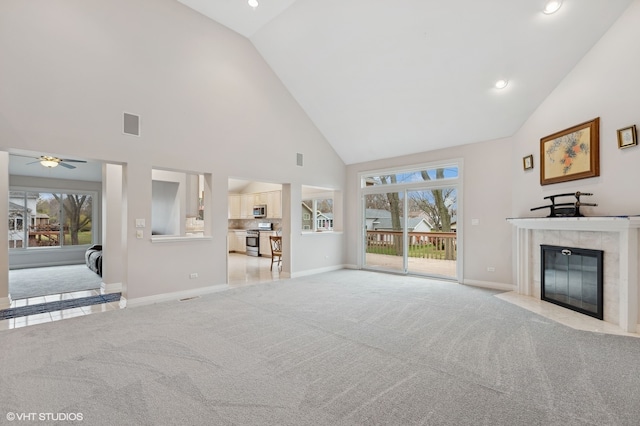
x=566, y=209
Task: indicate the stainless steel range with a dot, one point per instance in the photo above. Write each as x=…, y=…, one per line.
x=253, y=238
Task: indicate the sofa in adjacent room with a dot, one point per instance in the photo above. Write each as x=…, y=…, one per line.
x=93, y=258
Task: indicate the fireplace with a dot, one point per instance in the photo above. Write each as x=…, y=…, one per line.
x=572, y=278
x=617, y=236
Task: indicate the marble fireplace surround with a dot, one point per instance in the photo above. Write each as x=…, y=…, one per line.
x=617, y=236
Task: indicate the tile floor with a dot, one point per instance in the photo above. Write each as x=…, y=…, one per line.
x=563, y=316
x=243, y=270
x=56, y=315
x=248, y=270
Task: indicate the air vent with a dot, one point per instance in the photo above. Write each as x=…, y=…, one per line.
x=131, y=124
x=299, y=159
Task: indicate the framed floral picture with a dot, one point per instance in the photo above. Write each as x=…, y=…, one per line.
x=571, y=154
x=527, y=162
x=627, y=137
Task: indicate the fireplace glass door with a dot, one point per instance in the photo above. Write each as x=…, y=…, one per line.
x=572, y=278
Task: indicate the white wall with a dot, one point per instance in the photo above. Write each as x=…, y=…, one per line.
x=603, y=84
x=486, y=191
x=208, y=104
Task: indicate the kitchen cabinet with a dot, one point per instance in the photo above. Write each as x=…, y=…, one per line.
x=246, y=206
x=241, y=205
x=234, y=206
x=274, y=204
x=237, y=241
x=241, y=241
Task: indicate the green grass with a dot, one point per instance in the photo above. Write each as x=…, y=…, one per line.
x=84, y=237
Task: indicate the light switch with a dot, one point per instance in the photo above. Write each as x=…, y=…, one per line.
x=139, y=223
x=139, y=234
x=475, y=221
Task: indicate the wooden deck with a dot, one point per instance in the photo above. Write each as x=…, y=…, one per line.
x=444, y=268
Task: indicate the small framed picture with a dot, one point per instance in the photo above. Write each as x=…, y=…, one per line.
x=627, y=137
x=527, y=162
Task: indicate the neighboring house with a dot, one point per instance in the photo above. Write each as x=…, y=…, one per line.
x=19, y=215
x=380, y=220
x=323, y=220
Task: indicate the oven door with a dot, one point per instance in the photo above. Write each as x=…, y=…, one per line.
x=253, y=245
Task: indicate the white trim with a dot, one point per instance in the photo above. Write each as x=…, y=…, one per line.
x=110, y=288
x=490, y=285
x=176, y=239
x=316, y=271
x=457, y=183
x=175, y=296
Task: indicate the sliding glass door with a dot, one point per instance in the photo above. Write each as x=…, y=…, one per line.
x=410, y=221
x=385, y=232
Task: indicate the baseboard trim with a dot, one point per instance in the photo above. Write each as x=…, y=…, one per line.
x=175, y=296
x=316, y=271
x=491, y=285
x=110, y=288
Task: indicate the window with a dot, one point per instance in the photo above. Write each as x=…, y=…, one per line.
x=410, y=176
x=317, y=209
x=50, y=219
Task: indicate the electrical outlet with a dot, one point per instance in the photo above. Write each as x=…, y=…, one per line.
x=139, y=234
x=193, y=275
x=491, y=269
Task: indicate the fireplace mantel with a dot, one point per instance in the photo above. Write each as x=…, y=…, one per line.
x=623, y=306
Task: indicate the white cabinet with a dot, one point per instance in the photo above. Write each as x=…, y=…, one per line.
x=237, y=241
x=234, y=206
x=241, y=205
x=241, y=241
x=246, y=206
x=231, y=241
x=274, y=204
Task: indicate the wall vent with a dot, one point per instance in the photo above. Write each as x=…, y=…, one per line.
x=299, y=159
x=131, y=124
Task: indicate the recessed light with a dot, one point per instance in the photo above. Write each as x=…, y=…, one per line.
x=253, y=3
x=552, y=6
x=501, y=84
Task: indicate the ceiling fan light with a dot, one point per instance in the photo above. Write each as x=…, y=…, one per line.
x=501, y=84
x=49, y=163
x=253, y=3
x=552, y=6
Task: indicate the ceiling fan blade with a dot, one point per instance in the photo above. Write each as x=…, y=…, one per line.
x=74, y=161
x=68, y=166
x=33, y=162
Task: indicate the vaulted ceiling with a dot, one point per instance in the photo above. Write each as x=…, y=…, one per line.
x=388, y=78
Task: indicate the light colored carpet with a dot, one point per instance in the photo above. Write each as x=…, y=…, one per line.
x=340, y=348
x=34, y=282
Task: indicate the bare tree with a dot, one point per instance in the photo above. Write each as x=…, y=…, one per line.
x=77, y=209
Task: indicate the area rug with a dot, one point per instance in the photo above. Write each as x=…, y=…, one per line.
x=58, y=305
x=33, y=282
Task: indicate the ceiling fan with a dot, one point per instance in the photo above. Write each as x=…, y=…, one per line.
x=51, y=162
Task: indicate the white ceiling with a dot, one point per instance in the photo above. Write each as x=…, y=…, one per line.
x=26, y=164
x=388, y=78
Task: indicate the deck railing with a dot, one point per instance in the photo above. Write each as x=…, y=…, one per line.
x=428, y=245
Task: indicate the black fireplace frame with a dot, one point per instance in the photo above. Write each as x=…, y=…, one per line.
x=570, y=251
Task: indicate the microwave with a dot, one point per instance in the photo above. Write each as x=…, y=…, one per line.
x=260, y=211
